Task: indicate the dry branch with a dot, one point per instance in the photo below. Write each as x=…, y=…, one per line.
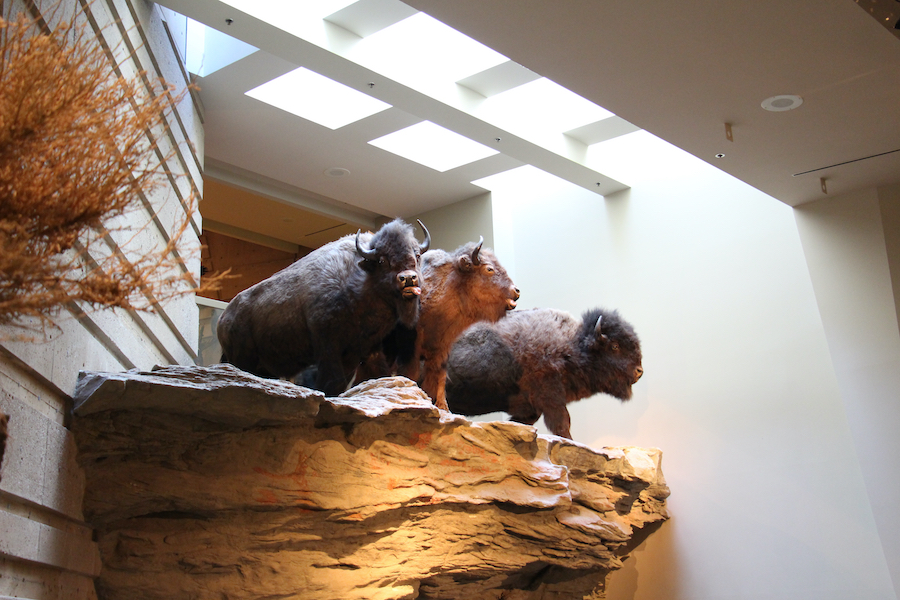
x=76, y=158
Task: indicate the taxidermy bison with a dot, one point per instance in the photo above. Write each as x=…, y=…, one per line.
x=534, y=362
x=459, y=289
x=330, y=309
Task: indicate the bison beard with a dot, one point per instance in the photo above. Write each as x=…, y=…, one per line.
x=534, y=362
x=329, y=309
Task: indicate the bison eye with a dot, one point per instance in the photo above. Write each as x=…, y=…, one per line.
x=614, y=346
x=490, y=269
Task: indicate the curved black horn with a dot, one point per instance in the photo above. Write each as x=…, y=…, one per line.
x=475, y=259
x=370, y=254
x=424, y=246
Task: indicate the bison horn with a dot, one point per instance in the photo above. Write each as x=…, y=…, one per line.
x=475, y=259
x=370, y=254
x=424, y=246
x=597, y=328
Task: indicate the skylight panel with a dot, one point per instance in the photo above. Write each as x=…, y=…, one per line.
x=433, y=146
x=209, y=50
x=540, y=106
x=317, y=98
x=527, y=177
x=422, y=49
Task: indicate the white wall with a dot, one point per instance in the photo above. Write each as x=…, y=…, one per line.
x=768, y=491
x=851, y=258
x=452, y=226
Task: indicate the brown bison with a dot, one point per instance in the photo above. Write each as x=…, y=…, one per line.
x=462, y=288
x=329, y=309
x=534, y=362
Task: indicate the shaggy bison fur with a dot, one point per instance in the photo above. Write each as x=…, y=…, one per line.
x=465, y=287
x=534, y=362
x=330, y=309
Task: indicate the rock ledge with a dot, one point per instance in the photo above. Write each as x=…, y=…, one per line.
x=207, y=482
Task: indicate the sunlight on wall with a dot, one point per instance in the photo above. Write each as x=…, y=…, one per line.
x=739, y=390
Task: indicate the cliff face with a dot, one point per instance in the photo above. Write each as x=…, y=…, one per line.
x=211, y=483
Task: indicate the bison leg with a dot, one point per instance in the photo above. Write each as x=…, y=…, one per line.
x=331, y=378
x=545, y=396
x=434, y=383
x=557, y=420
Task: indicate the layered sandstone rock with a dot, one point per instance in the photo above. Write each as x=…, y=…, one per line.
x=211, y=483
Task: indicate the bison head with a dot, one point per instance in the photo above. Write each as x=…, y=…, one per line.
x=489, y=285
x=394, y=259
x=614, y=350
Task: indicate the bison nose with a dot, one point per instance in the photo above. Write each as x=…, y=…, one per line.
x=516, y=293
x=638, y=371
x=408, y=279
x=409, y=284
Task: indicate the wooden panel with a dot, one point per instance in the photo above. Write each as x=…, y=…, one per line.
x=253, y=212
x=249, y=263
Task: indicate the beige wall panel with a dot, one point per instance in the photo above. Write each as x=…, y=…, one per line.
x=36, y=582
x=39, y=464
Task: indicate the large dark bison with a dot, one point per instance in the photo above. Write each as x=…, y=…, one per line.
x=465, y=287
x=536, y=361
x=329, y=309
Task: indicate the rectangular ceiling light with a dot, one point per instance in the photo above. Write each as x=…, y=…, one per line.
x=317, y=98
x=526, y=179
x=540, y=105
x=420, y=49
x=433, y=146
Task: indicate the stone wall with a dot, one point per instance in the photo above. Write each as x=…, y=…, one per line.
x=46, y=549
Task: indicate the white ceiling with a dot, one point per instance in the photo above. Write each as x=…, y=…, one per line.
x=680, y=70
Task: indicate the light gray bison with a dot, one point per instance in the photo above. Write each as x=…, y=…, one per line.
x=465, y=287
x=330, y=309
x=534, y=362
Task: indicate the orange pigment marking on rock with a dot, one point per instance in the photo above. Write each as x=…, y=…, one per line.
x=421, y=440
x=298, y=475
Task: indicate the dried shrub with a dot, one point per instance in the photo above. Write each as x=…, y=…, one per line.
x=77, y=159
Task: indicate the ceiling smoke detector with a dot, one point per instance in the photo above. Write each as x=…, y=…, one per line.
x=782, y=103
x=337, y=172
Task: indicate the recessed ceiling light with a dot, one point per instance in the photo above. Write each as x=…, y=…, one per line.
x=337, y=172
x=782, y=103
x=433, y=146
x=317, y=98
